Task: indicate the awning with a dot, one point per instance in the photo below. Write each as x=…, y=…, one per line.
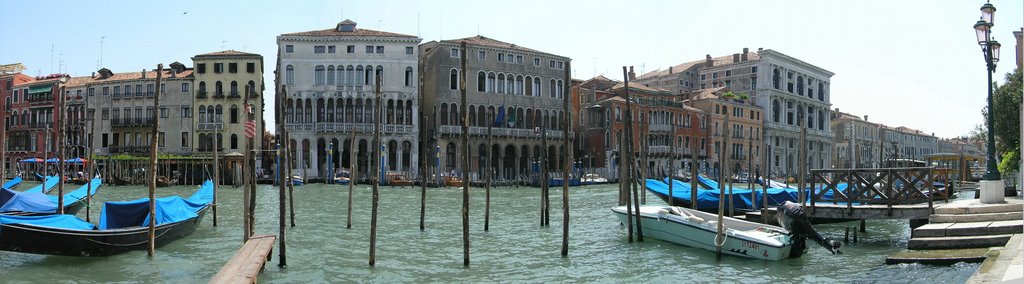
x=32, y=160
x=40, y=89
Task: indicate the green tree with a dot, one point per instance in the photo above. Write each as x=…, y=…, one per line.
x=1006, y=101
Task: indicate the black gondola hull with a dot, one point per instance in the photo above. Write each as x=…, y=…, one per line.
x=52, y=241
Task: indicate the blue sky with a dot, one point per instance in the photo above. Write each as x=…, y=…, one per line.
x=909, y=63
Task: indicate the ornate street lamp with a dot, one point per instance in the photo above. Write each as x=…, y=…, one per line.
x=992, y=187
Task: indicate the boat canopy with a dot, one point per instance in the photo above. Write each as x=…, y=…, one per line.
x=53, y=221
x=12, y=183
x=37, y=202
x=32, y=160
x=135, y=213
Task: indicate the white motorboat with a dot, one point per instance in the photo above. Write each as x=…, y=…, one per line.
x=699, y=229
x=593, y=179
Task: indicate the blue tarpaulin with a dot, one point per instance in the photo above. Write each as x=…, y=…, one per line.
x=12, y=183
x=32, y=160
x=53, y=221
x=51, y=181
x=124, y=214
x=79, y=193
x=36, y=202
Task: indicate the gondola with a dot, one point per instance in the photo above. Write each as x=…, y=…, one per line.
x=37, y=203
x=162, y=181
x=123, y=227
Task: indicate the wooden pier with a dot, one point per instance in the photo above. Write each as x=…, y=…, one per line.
x=247, y=262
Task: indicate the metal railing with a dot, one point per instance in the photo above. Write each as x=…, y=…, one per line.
x=132, y=122
x=209, y=126
x=889, y=186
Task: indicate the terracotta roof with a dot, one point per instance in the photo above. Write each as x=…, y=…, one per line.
x=356, y=32
x=229, y=52
x=87, y=80
x=641, y=87
x=490, y=42
x=710, y=93
x=39, y=82
x=719, y=61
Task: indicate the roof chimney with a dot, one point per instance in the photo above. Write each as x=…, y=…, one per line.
x=745, y=51
x=707, y=60
x=143, y=73
x=632, y=76
x=735, y=58
x=865, y=117
x=670, y=70
x=93, y=75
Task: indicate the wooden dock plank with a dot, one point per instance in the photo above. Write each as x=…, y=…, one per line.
x=247, y=263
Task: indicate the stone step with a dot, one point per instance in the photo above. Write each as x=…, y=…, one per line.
x=939, y=257
x=971, y=208
x=959, y=242
x=969, y=229
x=959, y=218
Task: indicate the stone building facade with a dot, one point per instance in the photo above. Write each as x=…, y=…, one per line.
x=517, y=90
x=745, y=127
x=330, y=76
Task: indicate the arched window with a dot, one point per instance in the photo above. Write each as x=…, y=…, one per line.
x=453, y=79
x=408, y=112
x=330, y=75
x=536, y=87
x=775, y=110
x=380, y=73
x=252, y=88
x=551, y=88
x=234, y=88
x=519, y=85
x=220, y=114
x=821, y=91
x=444, y=111
x=821, y=120
x=408, y=76
x=359, y=76
x=233, y=114
x=218, y=89
x=318, y=75
x=490, y=82
x=501, y=83
x=481, y=82
x=510, y=84
x=202, y=88
x=560, y=88
x=399, y=112
x=800, y=85
x=289, y=75
x=234, y=141
x=202, y=114
x=776, y=79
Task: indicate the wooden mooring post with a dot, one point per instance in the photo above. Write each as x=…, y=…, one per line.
x=566, y=142
x=465, y=157
x=353, y=175
x=633, y=174
x=375, y=180
x=283, y=163
x=59, y=133
x=152, y=164
x=485, y=169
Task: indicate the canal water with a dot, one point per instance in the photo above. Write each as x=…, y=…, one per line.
x=516, y=249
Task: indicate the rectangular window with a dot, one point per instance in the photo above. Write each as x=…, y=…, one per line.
x=127, y=90
x=250, y=68
x=184, y=139
x=703, y=76
x=184, y=87
x=561, y=65
x=408, y=50
x=116, y=114
x=149, y=89
x=92, y=91
x=218, y=68
x=105, y=113
x=501, y=57
x=201, y=67
x=104, y=138
x=350, y=49
x=369, y=49
x=331, y=49
x=380, y=49
x=287, y=49
x=117, y=91
x=163, y=112
x=16, y=95
x=482, y=55
x=186, y=112
x=454, y=53
x=519, y=59
x=163, y=88
x=233, y=67
x=714, y=75
x=551, y=64
x=160, y=139
x=106, y=91
x=753, y=69
x=536, y=62
x=318, y=49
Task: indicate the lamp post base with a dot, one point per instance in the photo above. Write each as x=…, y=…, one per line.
x=991, y=191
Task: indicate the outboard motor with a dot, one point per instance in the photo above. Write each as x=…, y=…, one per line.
x=793, y=218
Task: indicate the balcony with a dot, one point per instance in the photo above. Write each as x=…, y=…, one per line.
x=40, y=125
x=132, y=122
x=234, y=95
x=19, y=148
x=200, y=94
x=253, y=94
x=501, y=132
x=129, y=149
x=660, y=127
x=210, y=126
x=218, y=95
x=40, y=98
